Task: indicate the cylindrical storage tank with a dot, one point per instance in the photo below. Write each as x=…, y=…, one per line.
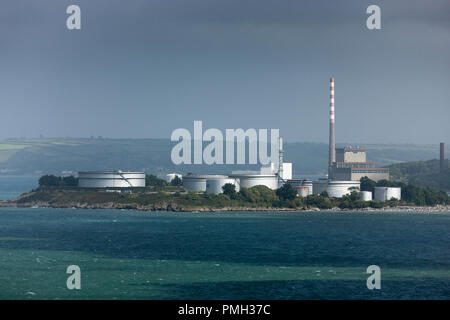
x=170, y=176
x=309, y=185
x=394, y=193
x=319, y=186
x=194, y=182
x=111, y=179
x=302, y=191
x=387, y=193
x=251, y=180
x=366, y=195
x=381, y=193
x=295, y=182
x=214, y=185
x=337, y=189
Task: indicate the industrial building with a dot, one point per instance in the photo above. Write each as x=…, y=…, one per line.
x=111, y=179
x=334, y=185
x=346, y=166
x=351, y=164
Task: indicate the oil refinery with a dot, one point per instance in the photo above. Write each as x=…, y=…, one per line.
x=346, y=166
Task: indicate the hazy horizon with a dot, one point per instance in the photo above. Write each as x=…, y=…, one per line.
x=140, y=69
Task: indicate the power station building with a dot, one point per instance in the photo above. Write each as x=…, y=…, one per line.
x=351, y=165
x=346, y=166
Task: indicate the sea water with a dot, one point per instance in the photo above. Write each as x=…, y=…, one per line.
x=228, y=255
x=12, y=186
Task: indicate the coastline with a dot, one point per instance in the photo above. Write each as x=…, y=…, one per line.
x=171, y=208
x=150, y=200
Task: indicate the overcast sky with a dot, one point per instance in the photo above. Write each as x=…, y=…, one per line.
x=142, y=68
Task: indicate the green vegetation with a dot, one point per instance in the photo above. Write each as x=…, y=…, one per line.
x=422, y=174
x=286, y=192
x=176, y=182
x=153, y=181
x=411, y=194
x=229, y=190
x=54, y=181
x=160, y=195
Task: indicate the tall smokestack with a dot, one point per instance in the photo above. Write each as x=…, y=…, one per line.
x=442, y=163
x=332, y=152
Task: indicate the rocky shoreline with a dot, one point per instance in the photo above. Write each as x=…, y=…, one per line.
x=171, y=207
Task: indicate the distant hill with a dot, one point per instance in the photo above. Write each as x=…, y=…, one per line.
x=423, y=174
x=66, y=155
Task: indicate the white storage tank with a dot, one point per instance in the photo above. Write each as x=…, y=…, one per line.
x=309, y=185
x=366, y=195
x=387, y=193
x=170, y=176
x=111, y=179
x=300, y=184
x=337, y=189
x=251, y=180
x=302, y=191
x=194, y=182
x=319, y=186
x=215, y=184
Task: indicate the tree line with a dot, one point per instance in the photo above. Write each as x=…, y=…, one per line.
x=55, y=181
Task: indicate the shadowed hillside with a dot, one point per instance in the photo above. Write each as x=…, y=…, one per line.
x=40, y=156
x=423, y=173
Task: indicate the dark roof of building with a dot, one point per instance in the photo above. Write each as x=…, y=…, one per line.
x=343, y=162
x=385, y=169
x=351, y=149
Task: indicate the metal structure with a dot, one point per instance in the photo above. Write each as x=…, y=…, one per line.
x=196, y=182
x=251, y=180
x=337, y=189
x=280, y=162
x=111, y=179
x=300, y=186
x=319, y=186
x=302, y=191
x=365, y=195
x=387, y=193
x=442, y=159
x=332, y=151
x=214, y=184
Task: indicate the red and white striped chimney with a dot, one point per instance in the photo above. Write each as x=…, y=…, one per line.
x=332, y=151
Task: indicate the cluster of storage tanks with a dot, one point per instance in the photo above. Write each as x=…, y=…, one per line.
x=382, y=194
x=213, y=183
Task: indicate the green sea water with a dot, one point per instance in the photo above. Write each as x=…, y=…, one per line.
x=229, y=255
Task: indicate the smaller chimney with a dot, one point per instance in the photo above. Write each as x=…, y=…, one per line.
x=442, y=162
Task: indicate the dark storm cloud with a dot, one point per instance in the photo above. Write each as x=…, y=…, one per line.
x=143, y=68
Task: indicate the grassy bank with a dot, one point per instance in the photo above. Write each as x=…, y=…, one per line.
x=173, y=198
